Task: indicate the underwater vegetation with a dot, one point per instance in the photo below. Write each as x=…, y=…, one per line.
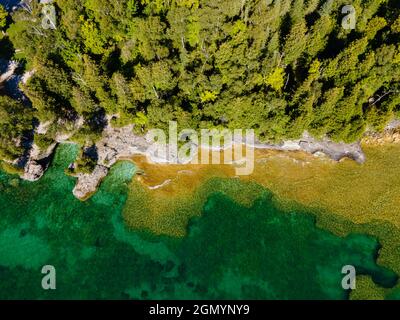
x=230, y=251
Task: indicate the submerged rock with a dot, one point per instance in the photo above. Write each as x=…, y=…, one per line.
x=122, y=143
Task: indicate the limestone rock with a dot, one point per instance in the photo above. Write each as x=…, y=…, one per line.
x=37, y=162
x=33, y=171
x=88, y=183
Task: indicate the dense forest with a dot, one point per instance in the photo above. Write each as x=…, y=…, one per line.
x=280, y=67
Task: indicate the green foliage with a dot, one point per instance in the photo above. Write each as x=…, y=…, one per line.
x=15, y=123
x=85, y=163
x=10, y=168
x=43, y=141
x=93, y=39
x=208, y=96
x=141, y=119
x=3, y=17
x=279, y=67
x=276, y=79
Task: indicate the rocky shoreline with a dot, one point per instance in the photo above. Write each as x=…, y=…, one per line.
x=7, y=70
x=390, y=135
x=122, y=143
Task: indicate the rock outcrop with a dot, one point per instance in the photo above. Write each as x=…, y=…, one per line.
x=123, y=143
x=391, y=134
x=11, y=67
x=116, y=144
x=87, y=183
x=37, y=162
x=334, y=150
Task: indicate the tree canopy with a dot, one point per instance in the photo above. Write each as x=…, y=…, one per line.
x=3, y=17
x=15, y=124
x=279, y=67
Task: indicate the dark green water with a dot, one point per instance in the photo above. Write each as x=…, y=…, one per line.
x=230, y=252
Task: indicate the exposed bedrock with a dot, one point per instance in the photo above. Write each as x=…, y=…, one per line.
x=88, y=183
x=123, y=143
x=37, y=162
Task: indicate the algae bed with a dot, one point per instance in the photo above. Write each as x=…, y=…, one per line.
x=260, y=251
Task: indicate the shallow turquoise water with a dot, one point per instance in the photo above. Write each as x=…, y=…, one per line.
x=230, y=252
